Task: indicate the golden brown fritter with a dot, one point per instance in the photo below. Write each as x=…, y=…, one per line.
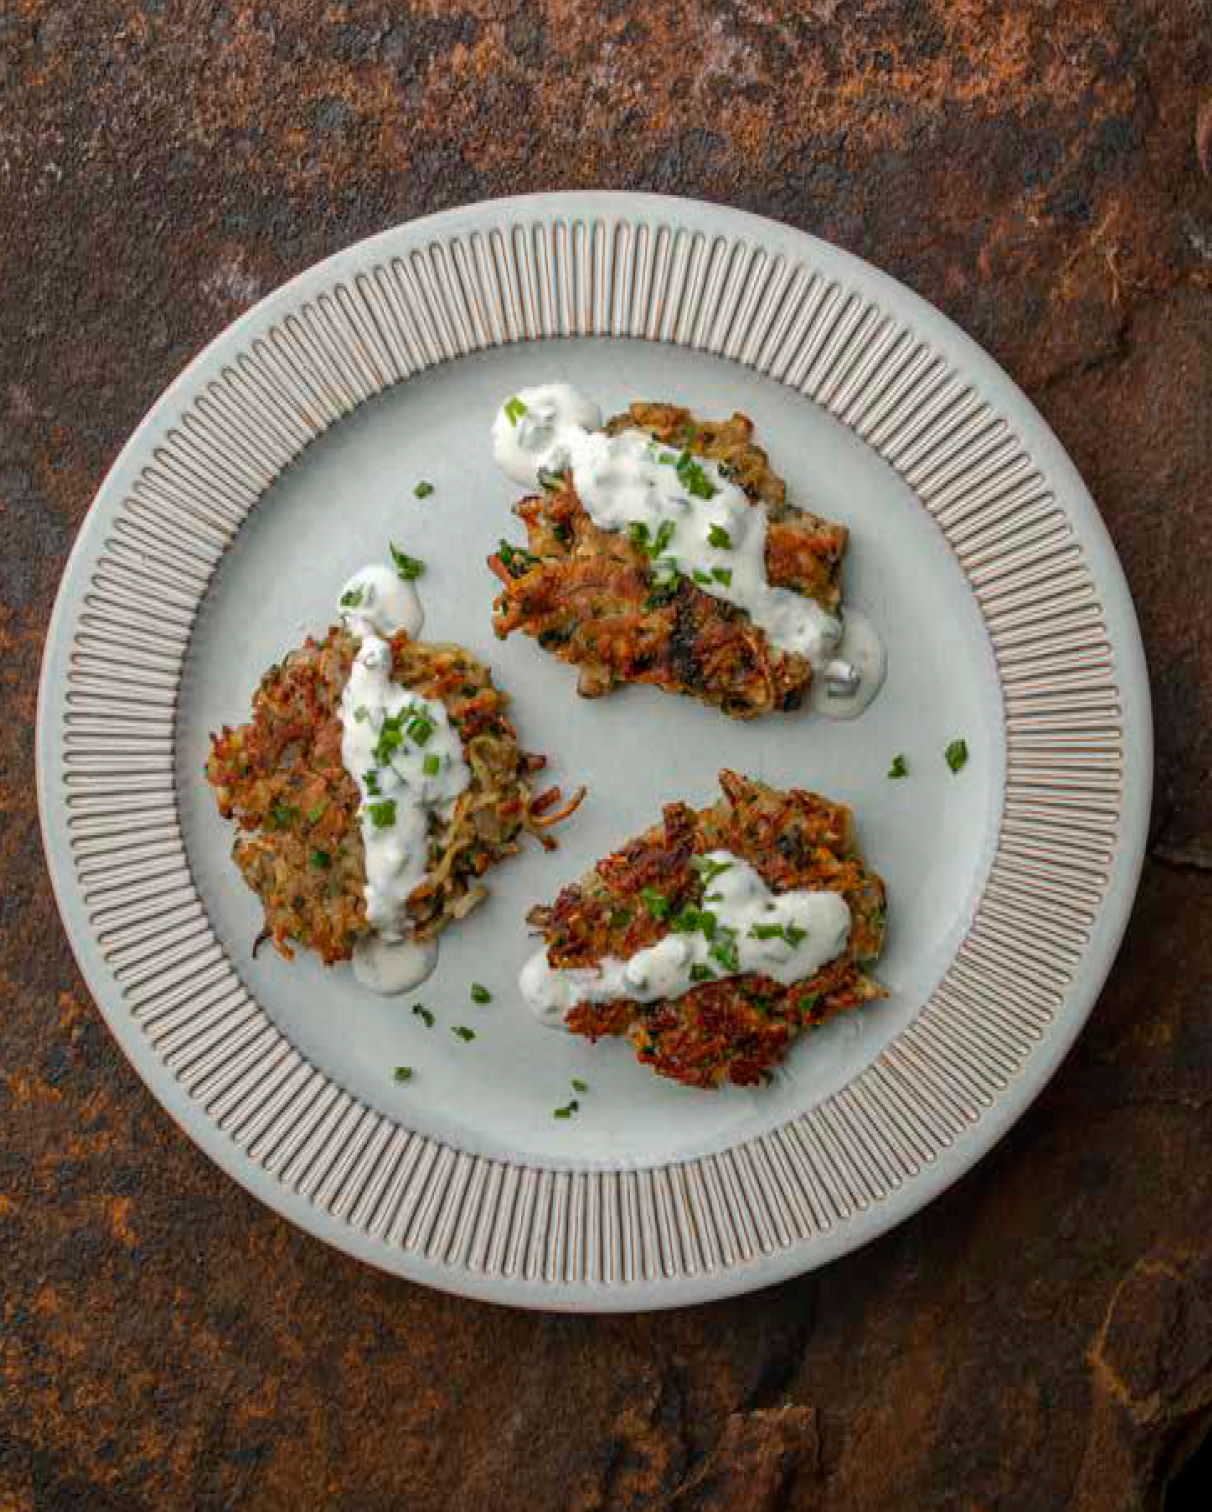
x=737, y=1028
x=300, y=846
x=589, y=596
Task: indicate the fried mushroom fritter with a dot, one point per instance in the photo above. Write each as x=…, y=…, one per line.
x=735, y=1028
x=589, y=596
x=299, y=846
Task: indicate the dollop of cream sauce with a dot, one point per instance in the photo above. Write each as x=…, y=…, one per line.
x=407, y=761
x=788, y=936
x=683, y=510
x=849, y=681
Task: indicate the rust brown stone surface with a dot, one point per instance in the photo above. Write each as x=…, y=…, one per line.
x=1040, y=1338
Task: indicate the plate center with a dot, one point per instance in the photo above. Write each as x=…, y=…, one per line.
x=930, y=835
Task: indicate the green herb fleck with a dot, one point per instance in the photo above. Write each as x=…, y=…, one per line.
x=420, y=728
x=693, y=478
x=361, y=714
x=321, y=859
x=956, y=754
x=719, y=538
x=722, y=575
x=701, y=973
x=663, y=537
x=792, y=933
x=567, y=1111
x=899, y=767
x=516, y=561
x=284, y=815
x=403, y=1073
x=463, y=1032
x=551, y=481
x=423, y=1013
x=655, y=902
x=578, y=1085
x=316, y=814
x=351, y=598
x=407, y=566
x=620, y=918
x=383, y=813
x=423, y=490
x=371, y=782
x=725, y=952
x=514, y=410
x=708, y=869
x=432, y=765
x=700, y=576
x=480, y=993
x=809, y=1001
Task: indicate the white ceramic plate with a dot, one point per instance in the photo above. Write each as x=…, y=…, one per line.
x=285, y=457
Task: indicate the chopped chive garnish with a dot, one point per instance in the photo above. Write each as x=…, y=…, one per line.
x=701, y=973
x=480, y=993
x=420, y=728
x=403, y=1073
x=514, y=410
x=549, y=480
x=321, y=859
x=620, y=918
x=351, y=598
x=578, y=1085
x=725, y=952
x=899, y=767
x=423, y=1013
x=423, y=489
x=722, y=575
x=383, y=813
x=956, y=754
x=708, y=869
x=316, y=814
x=792, y=933
x=361, y=714
x=515, y=560
x=407, y=566
x=463, y=1032
x=663, y=537
x=720, y=538
x=693, y=478
x=701, y=576
x=371, y=782
x=638, y=534
x=809, y=1001
x=567, y=1111
x=432, y=765
x=655, y=902
x=284, y=814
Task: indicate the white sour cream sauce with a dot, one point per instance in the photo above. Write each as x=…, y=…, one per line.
x=704, y=524
x=401, y=783
x=740, y=901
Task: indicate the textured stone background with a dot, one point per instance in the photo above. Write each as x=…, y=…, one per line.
x=1042, y=1337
